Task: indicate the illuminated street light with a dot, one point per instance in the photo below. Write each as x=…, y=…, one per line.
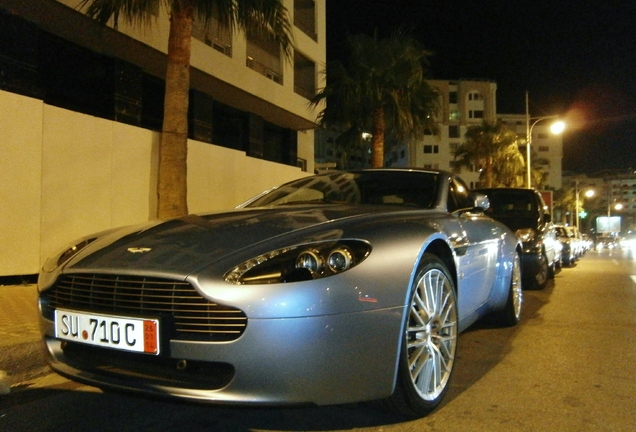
x=556, y=128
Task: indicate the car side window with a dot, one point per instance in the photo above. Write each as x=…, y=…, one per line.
x=458, y=196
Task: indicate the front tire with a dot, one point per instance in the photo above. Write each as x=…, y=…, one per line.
x=429, y=341
x=539, y=280
x=510, y=315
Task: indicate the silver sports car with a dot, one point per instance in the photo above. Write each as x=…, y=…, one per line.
x=336, y=288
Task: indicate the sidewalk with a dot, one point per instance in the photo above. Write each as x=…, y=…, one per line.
x=22, y=354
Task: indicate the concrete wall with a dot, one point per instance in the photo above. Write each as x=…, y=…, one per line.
x=64, y=175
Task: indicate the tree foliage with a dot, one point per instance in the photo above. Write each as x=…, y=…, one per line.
x=381, y=88
x=257, y=18
x=494, y=150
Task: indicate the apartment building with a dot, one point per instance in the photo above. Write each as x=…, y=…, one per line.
x=244, y=93
x=464, y=103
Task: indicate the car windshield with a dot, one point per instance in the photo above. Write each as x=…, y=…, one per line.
x=405, y=188
x=511, y=203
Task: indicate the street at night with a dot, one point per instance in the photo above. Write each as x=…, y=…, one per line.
x=568, y=367
x=317, y=215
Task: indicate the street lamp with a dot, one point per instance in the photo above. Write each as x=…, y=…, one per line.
x=556, y=128
x=588, y=193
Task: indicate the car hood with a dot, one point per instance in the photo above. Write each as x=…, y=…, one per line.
x=183, y=245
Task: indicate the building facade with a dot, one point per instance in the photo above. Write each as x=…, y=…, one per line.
x=463, y=103
x=244, y=93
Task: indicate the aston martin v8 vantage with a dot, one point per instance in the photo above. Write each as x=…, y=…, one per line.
x=336, y=288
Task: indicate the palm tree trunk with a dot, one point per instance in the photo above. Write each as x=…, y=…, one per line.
x=377, y=141
x=488, y=173
x=173, y=148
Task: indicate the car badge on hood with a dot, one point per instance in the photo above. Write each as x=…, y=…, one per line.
x=136, y=250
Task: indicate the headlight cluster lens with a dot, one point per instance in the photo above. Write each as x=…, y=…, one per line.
x=339, y=260
x=300, y=263
x=310, y=260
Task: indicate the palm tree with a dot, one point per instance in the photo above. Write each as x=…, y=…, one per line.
x=380, y=88
x=493, y=149
x=259, y=18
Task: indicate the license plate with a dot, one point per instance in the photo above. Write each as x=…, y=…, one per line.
x=123, y=333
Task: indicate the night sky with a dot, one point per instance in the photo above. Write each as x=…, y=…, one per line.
x=575, y=58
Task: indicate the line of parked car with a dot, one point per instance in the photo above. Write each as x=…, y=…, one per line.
x=574, y=244
x=546, y=247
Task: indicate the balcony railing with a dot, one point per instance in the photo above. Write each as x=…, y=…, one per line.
x=264, y=70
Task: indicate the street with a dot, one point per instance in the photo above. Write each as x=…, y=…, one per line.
x=569, y=366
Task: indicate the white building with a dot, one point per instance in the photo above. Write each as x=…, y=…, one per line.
x=464, y=103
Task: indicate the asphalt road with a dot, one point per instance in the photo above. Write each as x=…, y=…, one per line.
x=569, y=366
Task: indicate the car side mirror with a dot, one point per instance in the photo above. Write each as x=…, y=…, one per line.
x=481, y=202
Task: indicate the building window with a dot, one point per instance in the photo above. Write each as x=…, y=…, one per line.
x=454, y=115
x=475, y=96
x=213, y=34
x=453, y=131
x=452, y=97
x=263, y=55
x=454, y=147
x=430, y=149
x=231, y=127
x=304, y=76
x=476, y=114
x=305, y=17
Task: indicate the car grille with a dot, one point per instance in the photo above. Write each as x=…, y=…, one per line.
x=183, y=311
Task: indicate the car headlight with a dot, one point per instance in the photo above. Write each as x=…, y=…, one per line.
x=66, y=254
x=300, y=263
x=526, y=234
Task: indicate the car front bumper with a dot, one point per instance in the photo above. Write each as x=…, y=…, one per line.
x=318, y=360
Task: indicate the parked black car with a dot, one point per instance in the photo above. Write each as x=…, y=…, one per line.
x=525, y=212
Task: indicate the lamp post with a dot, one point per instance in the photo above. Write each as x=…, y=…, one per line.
x=556, y=128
